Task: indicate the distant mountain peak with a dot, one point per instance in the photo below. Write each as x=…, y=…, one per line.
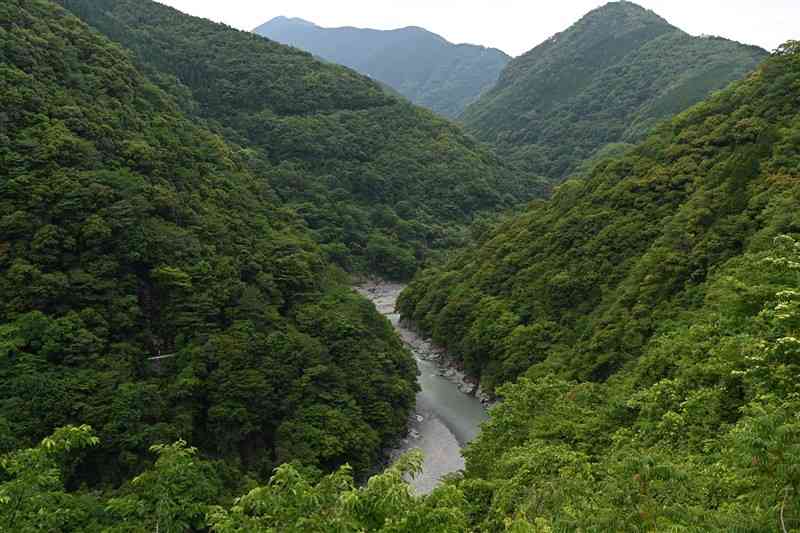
x=623, y=5
x=415, y=62
x=625, y=8
x=287, y=21
x=620, y=69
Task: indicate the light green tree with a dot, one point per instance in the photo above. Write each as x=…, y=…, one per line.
x=32, y=496
x=171, y=497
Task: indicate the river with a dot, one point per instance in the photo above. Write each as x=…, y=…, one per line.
x=446, y=418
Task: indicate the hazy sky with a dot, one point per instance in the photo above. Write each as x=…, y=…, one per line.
x=514, y=26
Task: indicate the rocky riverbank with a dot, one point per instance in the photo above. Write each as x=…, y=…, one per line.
x=384, y=295
x=448, y=412
x=449, y=368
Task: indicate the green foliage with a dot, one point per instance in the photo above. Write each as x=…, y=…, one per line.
x=708, y=443
x=182, y=492
x=173, y=496
x=389, y=181
x=152, y=284
x=643, y=325
x=32, y=494
x=419, y=65
x=607, y=79
x=578, y=285
x=291, y=503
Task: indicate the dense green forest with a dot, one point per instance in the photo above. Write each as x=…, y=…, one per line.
x=578, y=284
x=181, y=352
x=606, y=80
x=130, y=231
x=420, y=65
x=641, y=328
x=379, y=181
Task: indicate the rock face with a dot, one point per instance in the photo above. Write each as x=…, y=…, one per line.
x=418, y=64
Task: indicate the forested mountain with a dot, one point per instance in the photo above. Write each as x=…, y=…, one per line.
x=650, y=316
x=130, y=231
x=606, y=80
x=578, y=284
x=420, y=65
x=379, y=181
x=695, y=427
x=173, y=333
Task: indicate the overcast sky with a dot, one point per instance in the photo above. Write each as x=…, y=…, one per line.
x=514, y=26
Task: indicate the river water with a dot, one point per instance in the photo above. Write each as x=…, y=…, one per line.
x=446, y=418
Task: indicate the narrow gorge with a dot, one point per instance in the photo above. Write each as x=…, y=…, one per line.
x=447, y=416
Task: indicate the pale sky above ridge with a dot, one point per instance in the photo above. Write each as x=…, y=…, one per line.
x=514, y=26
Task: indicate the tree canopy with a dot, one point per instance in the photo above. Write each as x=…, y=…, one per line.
x=608, y=79
x=381, y=183
x=152, y=284
x=641, y=330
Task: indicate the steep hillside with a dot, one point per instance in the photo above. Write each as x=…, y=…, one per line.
x=152, y=286
x=422, y=66
x=379, y=181
x=578, y=284
x=651, y=316
x=699, y=432
x=607, y=79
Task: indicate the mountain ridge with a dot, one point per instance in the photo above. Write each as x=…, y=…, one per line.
x=641, y=328
x=152, y=283
x=606, y=79
x=281, y=19
x=421, y=65
x=381, y=183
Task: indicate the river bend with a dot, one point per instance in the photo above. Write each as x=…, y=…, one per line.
x=445, y=418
